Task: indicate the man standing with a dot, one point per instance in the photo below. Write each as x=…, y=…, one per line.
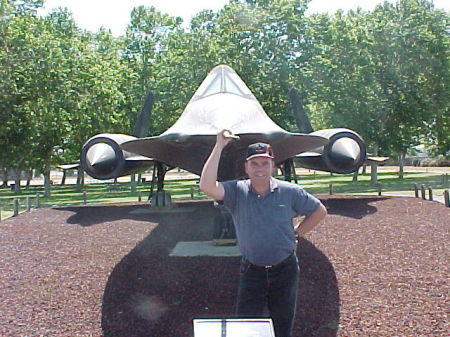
x=263, y=208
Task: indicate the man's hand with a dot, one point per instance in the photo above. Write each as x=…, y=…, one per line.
x=224, y=137
x=311, y=221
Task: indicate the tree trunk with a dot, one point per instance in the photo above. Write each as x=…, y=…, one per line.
x=355, y=175
x=63, y=180
x=5, y=178
x=401, y=158
x=80, y=179
x=16, y=173
x=364, y=169
x=47, y=182
x=133, y=183
x=373, y=174
x=29, y=177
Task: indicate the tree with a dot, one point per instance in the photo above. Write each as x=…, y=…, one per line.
x=15, y=57
x=63, y=85
x=144, y=46
x=382, y=73
x=409, y=66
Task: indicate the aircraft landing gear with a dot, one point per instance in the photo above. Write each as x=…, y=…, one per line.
x=224, y=233
x=161, y=198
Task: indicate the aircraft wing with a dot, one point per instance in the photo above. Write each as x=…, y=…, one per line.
x=376, y=160
x=190, y=152
x=69, y=166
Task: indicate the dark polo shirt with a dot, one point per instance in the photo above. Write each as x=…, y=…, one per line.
x=264, y=227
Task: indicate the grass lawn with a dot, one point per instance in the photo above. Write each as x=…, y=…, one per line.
x=318, y=183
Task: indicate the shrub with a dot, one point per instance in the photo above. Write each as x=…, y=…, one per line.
x=426, y=162
x=439, y=161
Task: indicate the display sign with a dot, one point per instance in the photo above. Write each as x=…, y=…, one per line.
x=233, y=327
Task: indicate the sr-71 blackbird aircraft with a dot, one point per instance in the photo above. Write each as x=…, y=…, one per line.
x=222, y=101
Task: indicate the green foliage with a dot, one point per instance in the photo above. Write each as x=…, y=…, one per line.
x=382, y=73
x=62, y=85
x=409, y=63
x=148, y=45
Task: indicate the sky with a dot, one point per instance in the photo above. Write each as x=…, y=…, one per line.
x=115, y=15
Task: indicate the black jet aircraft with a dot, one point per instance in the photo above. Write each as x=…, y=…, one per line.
x=222, y=101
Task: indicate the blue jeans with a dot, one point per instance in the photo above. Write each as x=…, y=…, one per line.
x=275, y=288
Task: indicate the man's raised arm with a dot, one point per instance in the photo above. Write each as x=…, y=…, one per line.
x=208, y=180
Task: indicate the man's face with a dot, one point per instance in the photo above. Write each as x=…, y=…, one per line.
x=259, y=168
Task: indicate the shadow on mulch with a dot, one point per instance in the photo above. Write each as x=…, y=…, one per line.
x=86, y=216
x=150, y=293
x=358, y=208
x=91, y=215
x=318, y=311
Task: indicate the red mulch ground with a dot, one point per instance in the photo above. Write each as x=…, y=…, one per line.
x=375, y=267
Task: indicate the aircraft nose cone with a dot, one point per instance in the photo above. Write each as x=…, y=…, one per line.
x=101, y=157
x=345, y=152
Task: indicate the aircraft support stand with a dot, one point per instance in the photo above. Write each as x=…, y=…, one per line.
x=161, y=198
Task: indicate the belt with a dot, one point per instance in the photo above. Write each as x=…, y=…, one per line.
x=271, y=267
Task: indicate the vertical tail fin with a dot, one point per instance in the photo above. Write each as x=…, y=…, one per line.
x=301, y=118
x=142, y=124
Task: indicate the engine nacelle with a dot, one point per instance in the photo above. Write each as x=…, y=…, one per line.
x=344, y=153
x=103, y=158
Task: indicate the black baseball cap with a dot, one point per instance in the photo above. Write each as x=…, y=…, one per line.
x=259, y=150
